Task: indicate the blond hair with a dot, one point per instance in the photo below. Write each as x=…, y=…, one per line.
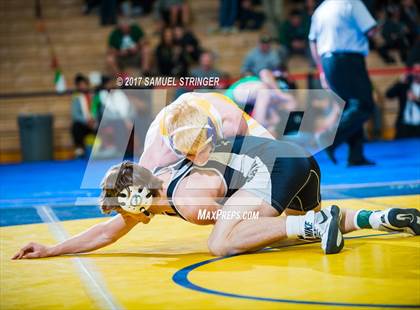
x=190, y=115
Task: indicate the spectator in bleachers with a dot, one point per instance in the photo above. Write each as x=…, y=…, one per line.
x=413, y=55
x=171, y=58
x=293, y=34
x=189, y=43
x=308, y=10
x=127, y=48
x=249, y=18
x=264, y=56
x=273, y=10
x=83, y=123
x=283, y=79
x=410, y=18
x=117, y=119
x=173, y=12
x=206, y=66
x=131, y=8
x=90, y=5
x=204, y=69
x=394, y=33
x=407, y=90
x=128, y=7
x=228, y=13
x=97, y=105
x=108, y=12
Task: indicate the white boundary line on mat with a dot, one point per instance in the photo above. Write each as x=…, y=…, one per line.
x=91, y=278
x=371, y=184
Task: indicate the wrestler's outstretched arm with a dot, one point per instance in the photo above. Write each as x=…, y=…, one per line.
x=96, y=237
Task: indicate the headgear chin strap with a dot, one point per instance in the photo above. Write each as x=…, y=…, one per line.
x=136, y=200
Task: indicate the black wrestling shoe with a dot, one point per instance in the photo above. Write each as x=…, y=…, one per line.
x=327, y=228
x=404, y=220
x=331, y=155
x=321, y=140
x=362, y=162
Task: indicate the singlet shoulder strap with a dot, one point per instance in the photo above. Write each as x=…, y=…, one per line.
x=180, y=171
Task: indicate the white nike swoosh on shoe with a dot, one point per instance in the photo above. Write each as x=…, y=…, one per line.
x=403, y=217
x=324, y=218
x=339, y=239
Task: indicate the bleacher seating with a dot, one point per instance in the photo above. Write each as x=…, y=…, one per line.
x=80, y=45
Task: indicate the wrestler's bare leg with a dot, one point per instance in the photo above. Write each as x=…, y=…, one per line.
x=236, y=234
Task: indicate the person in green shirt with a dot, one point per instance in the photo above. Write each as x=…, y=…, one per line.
x=127, y=48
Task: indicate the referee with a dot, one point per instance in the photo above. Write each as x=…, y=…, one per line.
x=339, y=43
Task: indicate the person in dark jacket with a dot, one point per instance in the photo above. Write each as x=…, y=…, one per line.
x=189, y=43
x=293, y=34
x=249, y=18
x=171, y=58
x=83, y=123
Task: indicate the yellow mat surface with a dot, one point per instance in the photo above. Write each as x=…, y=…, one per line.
x=376, y=270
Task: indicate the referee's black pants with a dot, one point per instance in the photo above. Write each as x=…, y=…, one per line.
x=347, y=76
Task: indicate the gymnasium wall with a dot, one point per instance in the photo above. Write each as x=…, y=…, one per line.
x=80, y=45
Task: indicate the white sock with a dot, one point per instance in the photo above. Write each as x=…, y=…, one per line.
x=375, y=219
x=295, y=225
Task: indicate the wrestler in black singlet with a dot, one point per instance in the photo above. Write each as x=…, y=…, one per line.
x=279, y=172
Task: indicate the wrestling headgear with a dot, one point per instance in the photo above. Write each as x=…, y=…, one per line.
x=136, y=200
x=211, y=134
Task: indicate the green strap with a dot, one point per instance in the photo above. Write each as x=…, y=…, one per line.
x=363, y=218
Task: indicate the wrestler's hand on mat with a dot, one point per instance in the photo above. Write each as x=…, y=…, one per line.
x=141, y=218
x=33, y=250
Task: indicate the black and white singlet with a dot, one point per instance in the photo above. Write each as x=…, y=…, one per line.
x=281, y=173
